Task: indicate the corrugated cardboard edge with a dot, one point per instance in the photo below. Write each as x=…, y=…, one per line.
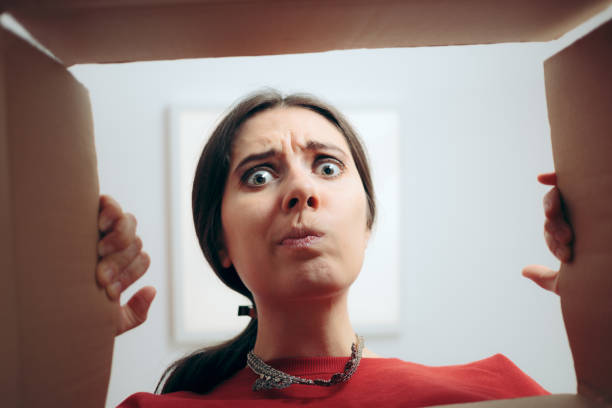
x=579, y=95
x=92, y=31
x=63, y=330
x=9, y=350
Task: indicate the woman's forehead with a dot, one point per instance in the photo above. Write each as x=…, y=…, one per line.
x=279, y=128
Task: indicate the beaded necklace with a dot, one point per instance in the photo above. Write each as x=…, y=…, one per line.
x=271, y=378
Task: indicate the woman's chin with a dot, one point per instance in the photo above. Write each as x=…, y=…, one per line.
x=318, y=283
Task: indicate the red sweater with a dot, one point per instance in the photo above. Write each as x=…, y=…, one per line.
x=378, y=382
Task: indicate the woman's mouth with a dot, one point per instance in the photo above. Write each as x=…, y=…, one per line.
x=303, y=242
x=300, y=237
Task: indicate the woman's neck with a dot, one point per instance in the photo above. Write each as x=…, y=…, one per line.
x=308, y=328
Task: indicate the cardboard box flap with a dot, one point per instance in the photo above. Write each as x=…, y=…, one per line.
x=548, y=401
x=57, y=344
x=90, y=31
x=579, y=95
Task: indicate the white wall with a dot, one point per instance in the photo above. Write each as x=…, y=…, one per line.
x=474, y=137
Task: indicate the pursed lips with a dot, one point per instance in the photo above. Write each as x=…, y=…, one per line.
x=300, y=237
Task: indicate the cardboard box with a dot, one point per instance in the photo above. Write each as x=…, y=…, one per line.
x=58, y=334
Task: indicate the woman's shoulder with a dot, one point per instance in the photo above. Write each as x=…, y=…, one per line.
x=494, y=362
x=497, y=363
x=496, y=372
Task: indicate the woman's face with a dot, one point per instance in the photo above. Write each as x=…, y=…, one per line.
x=294, y=209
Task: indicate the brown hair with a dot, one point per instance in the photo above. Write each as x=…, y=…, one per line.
x=204, y=369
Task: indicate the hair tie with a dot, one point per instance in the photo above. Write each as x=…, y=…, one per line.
x=247, y=311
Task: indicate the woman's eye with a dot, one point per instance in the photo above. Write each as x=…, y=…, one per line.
x=259, y=178
x=328, y=169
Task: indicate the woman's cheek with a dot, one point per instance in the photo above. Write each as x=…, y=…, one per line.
x=355, y=204
x=249, y=217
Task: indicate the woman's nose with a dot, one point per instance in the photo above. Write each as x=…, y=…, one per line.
x=301, y=193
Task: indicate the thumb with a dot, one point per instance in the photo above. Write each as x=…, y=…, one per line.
x=134, y=312
x=545, y=277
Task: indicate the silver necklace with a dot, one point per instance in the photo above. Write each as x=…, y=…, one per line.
x=271, y=378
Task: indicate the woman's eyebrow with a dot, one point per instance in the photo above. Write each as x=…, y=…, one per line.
x=314, y=146
x=256, y=157
x=311, y=146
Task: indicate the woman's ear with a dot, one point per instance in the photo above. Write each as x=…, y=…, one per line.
x=226, y=262
x=224, y=257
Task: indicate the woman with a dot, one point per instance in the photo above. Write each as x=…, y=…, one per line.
x=283, y=206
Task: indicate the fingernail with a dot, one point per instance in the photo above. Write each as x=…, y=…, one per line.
x=115, y=289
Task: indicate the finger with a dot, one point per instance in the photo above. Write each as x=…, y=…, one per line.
x=564, y=254
x=551, y=242
x=109, y=212
x=121, y=236
x=135, y=311
x=108, y=268
x=561, y=251
x=549, y=179
x=128, y=276
x=545, y=277
x=552, y=204
x=559, y=230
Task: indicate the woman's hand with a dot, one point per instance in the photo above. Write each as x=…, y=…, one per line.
x=121, y=262
x=558, y=234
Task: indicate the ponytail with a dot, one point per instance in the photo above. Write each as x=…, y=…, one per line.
x=204, y=369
